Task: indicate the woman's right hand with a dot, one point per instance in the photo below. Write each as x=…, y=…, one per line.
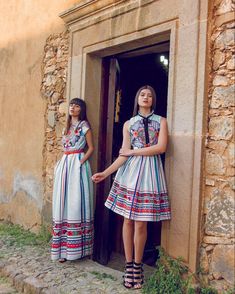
x=98, y=177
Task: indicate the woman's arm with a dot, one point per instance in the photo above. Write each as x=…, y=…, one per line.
x=98, y=177
x=159, y=148
x=90, y=145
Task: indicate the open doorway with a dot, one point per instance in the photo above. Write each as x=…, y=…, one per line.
x=123, y=75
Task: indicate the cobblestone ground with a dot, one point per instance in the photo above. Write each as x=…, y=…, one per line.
x=6, y=287
x=30, y=270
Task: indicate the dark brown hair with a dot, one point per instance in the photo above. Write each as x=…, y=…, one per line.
x=82, y=115
x=136, y=106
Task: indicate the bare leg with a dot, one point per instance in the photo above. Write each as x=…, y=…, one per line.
x=140, y=237
x=128, y=238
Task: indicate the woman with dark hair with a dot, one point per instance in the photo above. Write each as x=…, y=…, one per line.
x=139, y=190
x=73, y=189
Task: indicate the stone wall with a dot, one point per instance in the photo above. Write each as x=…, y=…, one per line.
x=217, y=248
x=54, y=72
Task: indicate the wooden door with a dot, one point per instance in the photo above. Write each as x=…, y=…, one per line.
x=102, y=247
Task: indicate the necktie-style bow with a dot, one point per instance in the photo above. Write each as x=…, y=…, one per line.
x=146, y=120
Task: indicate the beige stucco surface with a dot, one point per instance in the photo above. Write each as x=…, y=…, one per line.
x=25, y=26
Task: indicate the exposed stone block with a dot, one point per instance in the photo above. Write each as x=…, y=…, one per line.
x=221, y=128
x=218, y=240
x=59, y=85
x=231, y=25
x=218, y=146
x=218, y=59
x=207, y=197
x=50, y=80
x=222, y=264
x=220, y=216
x=63, y=108
x=231, y=63
x=51, y=118
x=231, y=152
x=230, y=171
x=220, y=80
x=224, y=18
x=209, y=248
x=225, y=39
x=225, y=6
x=231, y=182
x=55, y=97
x=210, y=182
x=204, y=263
x=214, y=164
x=222, y=71
x=50, y=69
x=220, y=285
x=223, y=96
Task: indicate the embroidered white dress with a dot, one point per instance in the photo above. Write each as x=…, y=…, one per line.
x=73, y=199
x=139, y=190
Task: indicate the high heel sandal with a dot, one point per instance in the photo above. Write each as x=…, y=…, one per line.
x=128, y=275
x=138, y=276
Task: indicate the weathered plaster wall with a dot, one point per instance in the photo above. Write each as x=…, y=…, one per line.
x=23, y=35
x=217, y=248
x=54, y=68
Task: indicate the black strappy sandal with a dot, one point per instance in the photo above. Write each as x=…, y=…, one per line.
x=128, y=275
x=138, y=276
x=61, y=260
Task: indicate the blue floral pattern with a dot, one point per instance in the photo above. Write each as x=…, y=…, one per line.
x=137, y=132
x=75, y=139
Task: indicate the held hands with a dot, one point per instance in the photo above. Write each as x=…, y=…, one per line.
x=98, y=177
x=125, y=152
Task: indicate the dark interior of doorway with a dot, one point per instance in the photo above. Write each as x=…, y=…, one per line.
x=132, y=73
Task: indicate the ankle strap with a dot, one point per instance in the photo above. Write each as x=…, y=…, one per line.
x=129, y=262
x=138, y=264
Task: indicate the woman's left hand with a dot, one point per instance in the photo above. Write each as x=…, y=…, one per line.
x=82, y=161
x=125, y=152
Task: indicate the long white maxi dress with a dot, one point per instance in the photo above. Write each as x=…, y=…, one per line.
x=73, y=199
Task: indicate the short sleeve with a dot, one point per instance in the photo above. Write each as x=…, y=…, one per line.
x=85, y=127
x=130, y=123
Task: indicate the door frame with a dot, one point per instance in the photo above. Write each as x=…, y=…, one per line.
x=185, y=104
x=102, y=214
x=102, y=248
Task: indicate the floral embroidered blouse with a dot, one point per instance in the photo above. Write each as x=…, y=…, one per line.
x=75, y=139
x=144, y=131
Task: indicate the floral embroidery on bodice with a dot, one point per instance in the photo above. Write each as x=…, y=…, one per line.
x=138, y=130
x=75, y=139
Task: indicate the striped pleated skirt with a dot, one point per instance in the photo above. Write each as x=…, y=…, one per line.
x=139, y=190
x=72, y=209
